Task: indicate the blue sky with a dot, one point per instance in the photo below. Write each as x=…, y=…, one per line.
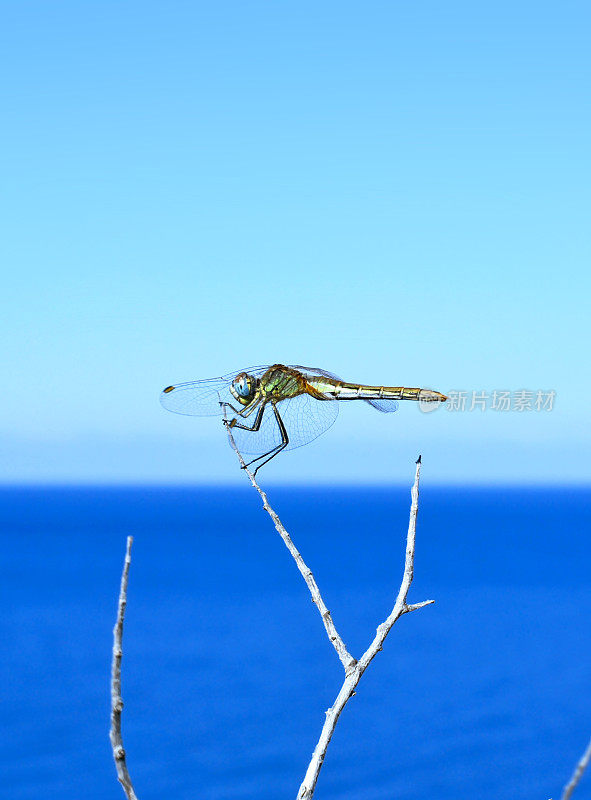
x=398, y=193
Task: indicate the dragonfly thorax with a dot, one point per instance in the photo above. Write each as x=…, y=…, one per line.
x=280, y=382
x=244, y=387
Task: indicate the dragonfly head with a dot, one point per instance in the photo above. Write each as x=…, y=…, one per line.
x=244, y=387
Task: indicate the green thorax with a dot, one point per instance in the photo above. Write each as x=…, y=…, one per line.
x=279, y=383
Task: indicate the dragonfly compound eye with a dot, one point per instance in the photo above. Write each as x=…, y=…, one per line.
x=242, y=386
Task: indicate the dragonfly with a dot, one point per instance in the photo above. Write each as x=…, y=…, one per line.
x=269, y=409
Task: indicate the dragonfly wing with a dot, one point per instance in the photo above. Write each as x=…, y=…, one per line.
x=316, y=371
x=304, y=418
x=197, y=398
x=203, y=398
x=387, y=406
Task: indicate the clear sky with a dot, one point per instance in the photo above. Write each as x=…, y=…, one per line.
x=396, y=192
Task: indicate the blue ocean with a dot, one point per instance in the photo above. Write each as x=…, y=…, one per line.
x=227, y=671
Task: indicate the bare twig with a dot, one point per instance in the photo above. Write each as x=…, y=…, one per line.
x=116, y=699
x=353, y=669
x=347, y=659
x=347, y=691
x=577, y=774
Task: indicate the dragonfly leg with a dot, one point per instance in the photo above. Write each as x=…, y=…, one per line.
x=224, y=406
x=257, y=422
x=276, y=450
x=244, y=413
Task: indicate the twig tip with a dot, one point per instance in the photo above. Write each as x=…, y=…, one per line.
x=418, y=461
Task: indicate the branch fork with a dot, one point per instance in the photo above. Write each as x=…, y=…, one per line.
x=353, y=668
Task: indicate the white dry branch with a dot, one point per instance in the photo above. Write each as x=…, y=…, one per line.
x=116, y=699
x=577, y=774
x=353, y=669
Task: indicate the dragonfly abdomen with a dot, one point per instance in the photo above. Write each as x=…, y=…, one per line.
x=350, y=391
x=355, y=391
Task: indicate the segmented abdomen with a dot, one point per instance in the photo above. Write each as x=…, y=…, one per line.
x=339, y=390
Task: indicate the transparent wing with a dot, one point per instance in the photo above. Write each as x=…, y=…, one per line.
x=203, y=398
x=316, y=371
x=386, y=406
x=304, y=418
